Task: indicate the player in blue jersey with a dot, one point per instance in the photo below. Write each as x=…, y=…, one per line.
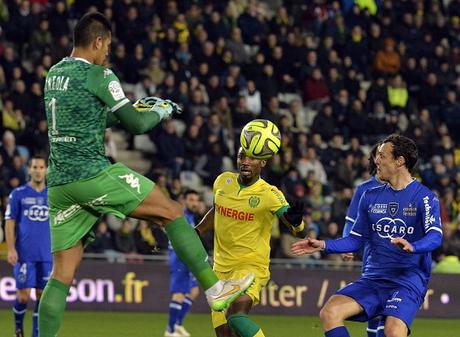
x=183, y=285
x=28, y=240
x=374, y=329
x=401, y=222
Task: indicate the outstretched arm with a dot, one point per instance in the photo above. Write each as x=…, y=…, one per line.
x=428, y=243
x=350, y=243
x=207, y=223
x=293, y=220
x=144, y=115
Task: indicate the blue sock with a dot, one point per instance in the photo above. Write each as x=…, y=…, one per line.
x=340, y=331
x=185, y=308
x=19, y=310
x=372, y=326
x=174, y=311
x=35, y=320
x=381, y=328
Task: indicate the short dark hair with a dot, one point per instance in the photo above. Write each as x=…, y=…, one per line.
x=404, y=147
x=38, y=157
x=89, y=27
x=372, y=168
x=190, y=191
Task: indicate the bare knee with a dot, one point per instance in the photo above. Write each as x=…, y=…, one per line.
x=194, y=292
x=178, y=297
x=395, y=330
x=23, y=295
x=64, y=275
x=65, y=264
x=330, y=314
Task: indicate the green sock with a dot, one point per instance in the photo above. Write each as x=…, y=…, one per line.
x=51, y=309
x=190, y=250
x=242, y=325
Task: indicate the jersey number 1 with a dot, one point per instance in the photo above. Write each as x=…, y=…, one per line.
x=52, y=105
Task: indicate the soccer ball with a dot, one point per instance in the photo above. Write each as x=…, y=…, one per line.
x=260, y=139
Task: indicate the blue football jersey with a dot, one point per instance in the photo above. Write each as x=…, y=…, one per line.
x=353, y=208
x=385, y=213
x=29, y=209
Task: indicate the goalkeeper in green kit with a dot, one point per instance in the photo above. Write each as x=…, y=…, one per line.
x=82, y=99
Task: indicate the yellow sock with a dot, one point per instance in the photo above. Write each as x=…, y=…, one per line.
x=259, y=333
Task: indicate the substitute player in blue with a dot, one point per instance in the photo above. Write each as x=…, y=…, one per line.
x=401, y=222
x=374, y=329
x=28, y=240
x=183, y=285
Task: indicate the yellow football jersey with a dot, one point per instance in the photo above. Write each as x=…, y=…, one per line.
x=243, y=217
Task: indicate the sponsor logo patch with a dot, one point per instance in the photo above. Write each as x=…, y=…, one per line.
x=116, y=90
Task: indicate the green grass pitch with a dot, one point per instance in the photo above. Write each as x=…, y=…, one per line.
x=117, y=324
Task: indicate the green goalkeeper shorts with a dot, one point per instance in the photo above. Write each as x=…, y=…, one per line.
x=75, y=207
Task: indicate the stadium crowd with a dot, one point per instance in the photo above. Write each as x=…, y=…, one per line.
x=334, y=76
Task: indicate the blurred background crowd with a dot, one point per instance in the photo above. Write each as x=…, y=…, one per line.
x=335, y=76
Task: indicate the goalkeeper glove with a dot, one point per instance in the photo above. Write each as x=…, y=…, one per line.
x=164, y=108
x=294, y=214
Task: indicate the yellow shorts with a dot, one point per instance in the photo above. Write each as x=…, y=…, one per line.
x=260, y=281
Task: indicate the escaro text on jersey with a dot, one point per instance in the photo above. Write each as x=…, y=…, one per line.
x=78, y=96
x=385, y=214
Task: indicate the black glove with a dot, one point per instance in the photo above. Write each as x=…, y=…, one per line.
x=294, y=214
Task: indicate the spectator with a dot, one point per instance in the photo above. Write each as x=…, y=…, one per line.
x=325, y=123
x=253, y=98
x=103, y=241
x=170, y=148
x=8, y=148
x=210, y=165
x=124, y=239
x=145, y=241
x=387, y=61
x=316, y=91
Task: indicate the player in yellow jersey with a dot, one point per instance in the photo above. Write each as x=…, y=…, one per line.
x=245, y=207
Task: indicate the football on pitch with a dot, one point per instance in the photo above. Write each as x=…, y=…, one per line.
x=260, y=139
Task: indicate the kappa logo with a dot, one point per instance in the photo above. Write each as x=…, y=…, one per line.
x=132, y=181
x=107, y=72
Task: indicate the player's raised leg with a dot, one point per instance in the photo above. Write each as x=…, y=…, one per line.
x=334, y=313
x=239, y=321
x=394, y=327
x=157, y=208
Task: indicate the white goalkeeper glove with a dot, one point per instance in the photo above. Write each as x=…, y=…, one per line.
x=164, y=108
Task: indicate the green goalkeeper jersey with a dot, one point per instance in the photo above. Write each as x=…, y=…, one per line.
x=78, y=96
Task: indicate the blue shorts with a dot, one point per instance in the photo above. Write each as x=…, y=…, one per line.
x=379, y=298
x=181, y=279
x=32, y=274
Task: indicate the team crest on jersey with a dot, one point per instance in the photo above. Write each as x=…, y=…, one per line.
x=393, y=207
x=228, y=181
x=254, y=201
